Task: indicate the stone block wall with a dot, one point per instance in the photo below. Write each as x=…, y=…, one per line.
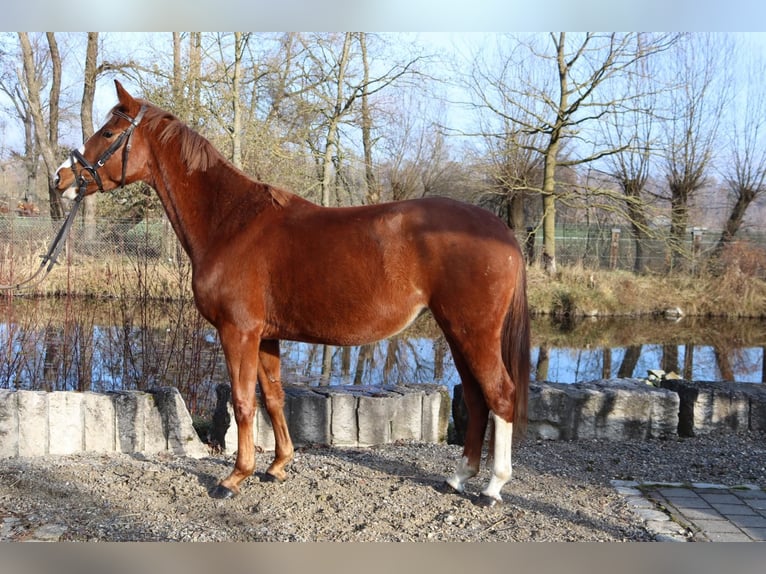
x=36, y=423
x=352, y=416
x=614, y=409
x=709, y=407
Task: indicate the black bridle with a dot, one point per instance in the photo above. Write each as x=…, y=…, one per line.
x=123, y=140
x=75, y=157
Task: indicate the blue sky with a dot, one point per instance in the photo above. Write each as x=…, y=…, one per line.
x=387, y=15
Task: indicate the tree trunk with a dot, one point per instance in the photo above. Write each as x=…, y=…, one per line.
x=236, y=130
x=48, y=147
x=86, y=120
x=679, y=220
x=638, y=222
x=331, y=143
x=373, y=193
x=744, y=198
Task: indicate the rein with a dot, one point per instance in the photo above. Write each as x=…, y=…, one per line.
x=51, y=257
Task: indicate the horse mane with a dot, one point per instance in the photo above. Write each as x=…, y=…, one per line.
x=197, y=153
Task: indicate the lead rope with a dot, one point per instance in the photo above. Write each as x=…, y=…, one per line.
x=51, y=257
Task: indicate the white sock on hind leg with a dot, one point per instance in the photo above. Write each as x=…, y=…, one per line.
x=501, y=464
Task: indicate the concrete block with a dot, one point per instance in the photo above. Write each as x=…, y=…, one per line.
x=128, y=428
x=65, y=422
x=708, y=407
x=344, y=426
x=98, y=423
x=436, y=414
x=631, y=409
x=33, y=423
x=549, y=412
x=308, y=416
x=263, y=430
x=231, y=433
x=139, y=426
x=407, y=422
x=177, y=427
x=9, y=424
x=720, y=407
x=376, y=415
x=756, y=394
x=614, y=409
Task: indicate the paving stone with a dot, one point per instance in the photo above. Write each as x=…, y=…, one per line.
x=757, y=534
x=717, y=526
x=720, y=498
x=700, y=514
x=734, y=509
x=756, y=521
x=728, y=537
x=689, y=503
x=673, y=493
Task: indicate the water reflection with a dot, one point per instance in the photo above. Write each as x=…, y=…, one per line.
x=86, y=345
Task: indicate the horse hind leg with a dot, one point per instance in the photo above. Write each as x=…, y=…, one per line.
x=500, y=446
x=468, y=465
x=488, y=392
x=274, y=400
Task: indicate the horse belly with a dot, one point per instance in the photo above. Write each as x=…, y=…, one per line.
x=347, y=322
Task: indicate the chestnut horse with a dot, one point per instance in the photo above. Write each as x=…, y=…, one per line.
x=269, y=265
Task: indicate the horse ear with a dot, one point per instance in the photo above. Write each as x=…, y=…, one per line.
x=122, y=94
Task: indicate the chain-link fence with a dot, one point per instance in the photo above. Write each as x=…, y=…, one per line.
x=144, y=259
x=599, y=247
x=107, y=258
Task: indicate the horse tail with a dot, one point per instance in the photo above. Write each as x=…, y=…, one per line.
x=516, y=347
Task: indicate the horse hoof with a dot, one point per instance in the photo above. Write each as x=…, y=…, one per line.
x=488, y=502
x=221, y=492
x=446, y=488
x=268, y=477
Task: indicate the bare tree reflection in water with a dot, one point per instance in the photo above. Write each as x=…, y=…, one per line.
x=101, y=346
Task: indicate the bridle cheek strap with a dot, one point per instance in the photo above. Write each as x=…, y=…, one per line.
x=122, y=140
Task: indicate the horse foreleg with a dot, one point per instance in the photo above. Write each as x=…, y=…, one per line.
x=274, y=401
x=241, y=351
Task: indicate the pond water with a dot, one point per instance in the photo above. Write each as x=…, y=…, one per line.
x=70, y=344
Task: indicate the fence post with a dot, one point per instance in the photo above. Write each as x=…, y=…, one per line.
x=614, y=247
x=696, y=247
x=529, y=244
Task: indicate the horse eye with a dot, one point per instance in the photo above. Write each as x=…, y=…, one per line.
x=107, y=134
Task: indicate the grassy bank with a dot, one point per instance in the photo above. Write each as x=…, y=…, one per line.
x=575, y=292
x=572, y=292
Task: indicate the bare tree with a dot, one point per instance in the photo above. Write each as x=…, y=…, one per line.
x=10, y=85
x=633, y=133
x=373, y=192
x=86, y=120
x=745, y=171
x=333, y=102
x=46, y=134
x=559, y=97
x=515, y=163
x=691, y=123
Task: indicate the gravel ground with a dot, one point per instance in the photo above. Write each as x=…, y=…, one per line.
x=559, y=492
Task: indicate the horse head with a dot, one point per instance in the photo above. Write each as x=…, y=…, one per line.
x=96, y=166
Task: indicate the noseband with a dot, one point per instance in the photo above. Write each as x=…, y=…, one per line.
x=76, y=156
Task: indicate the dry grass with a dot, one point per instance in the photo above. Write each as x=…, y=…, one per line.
x=574, y=291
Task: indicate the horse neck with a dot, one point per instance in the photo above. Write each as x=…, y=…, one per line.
x=200, y=203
